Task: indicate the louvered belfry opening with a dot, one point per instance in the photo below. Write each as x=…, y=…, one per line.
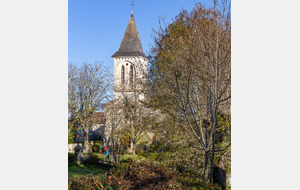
x=131, y=75
x=122, y=75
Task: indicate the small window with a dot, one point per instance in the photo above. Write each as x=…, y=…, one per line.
x=122, y=74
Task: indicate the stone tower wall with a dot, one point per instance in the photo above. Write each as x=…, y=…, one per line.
x=139, y=64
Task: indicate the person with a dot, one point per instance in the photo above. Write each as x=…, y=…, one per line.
x=106, y=152
x=102, y=149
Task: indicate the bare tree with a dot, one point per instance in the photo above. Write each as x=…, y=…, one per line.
x=191, y=74
x=113, y=121
x=130, y=103
x=88, y=89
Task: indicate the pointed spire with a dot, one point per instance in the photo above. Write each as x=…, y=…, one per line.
x=131, y=44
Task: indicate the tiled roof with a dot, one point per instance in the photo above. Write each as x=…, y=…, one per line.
x=99, y=117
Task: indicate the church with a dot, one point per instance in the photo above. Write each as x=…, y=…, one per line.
x=130, y=77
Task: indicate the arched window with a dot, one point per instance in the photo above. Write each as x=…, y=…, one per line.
x=122, y=74
x=131, y=75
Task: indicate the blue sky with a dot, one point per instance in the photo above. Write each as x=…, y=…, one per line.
x=96, y=27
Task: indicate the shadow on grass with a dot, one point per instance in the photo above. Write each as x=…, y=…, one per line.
x=79, y=170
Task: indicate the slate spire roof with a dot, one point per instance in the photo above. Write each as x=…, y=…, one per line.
x=131, y=44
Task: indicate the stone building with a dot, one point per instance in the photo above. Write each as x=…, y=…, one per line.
x=130, y=75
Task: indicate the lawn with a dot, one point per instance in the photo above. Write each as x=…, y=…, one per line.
x=78, y=170
x=122, y=158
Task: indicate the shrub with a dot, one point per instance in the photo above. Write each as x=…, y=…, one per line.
x=139, y=150
x=71, y=158
x=91, y=182
x=144, y=175
x=96, y=146
x=92, y=160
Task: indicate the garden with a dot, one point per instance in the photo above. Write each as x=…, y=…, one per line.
x=131, y=174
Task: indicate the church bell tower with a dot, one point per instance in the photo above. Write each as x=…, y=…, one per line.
x=130, y=63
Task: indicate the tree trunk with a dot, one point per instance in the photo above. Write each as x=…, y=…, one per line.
x=86, y=141
x=133, y=147
x=212, y=159
x=205, y=175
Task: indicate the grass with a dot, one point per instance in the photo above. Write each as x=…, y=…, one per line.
x=132, y=156
x=122, y=158
x=79, y=170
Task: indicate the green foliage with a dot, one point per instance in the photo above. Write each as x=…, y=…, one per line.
x=128, y=157
x=223, y=126
x=71, y=157
x=120, y=158
x=71, y=135
x=154, y=156
x=96, y=146
x=139, y=150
